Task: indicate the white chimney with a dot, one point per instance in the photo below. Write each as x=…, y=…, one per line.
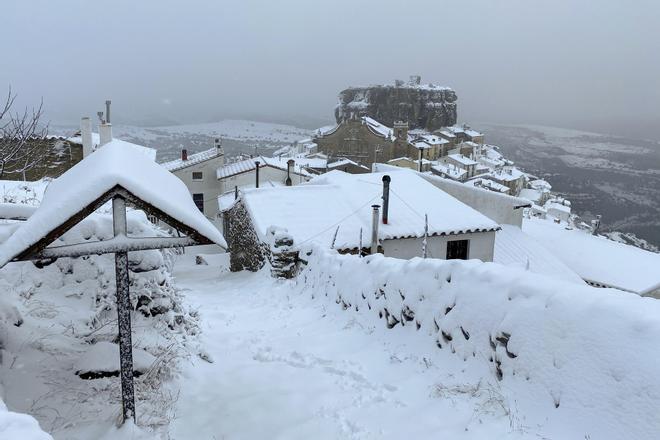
x=105, y=133
x=86, y=135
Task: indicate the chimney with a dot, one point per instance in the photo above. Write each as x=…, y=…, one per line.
x=86, y=135
x=218, y=147
x=386, y=197
x=374, y=230
x=184, y=154
x=289, y=165
x=256, y=174
x=107, y=111
x=105, y=133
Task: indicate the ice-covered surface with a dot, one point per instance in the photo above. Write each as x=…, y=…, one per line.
x=598, y=259
x=513, y=247
x=17, y=426
x=313, y=212
x=111, y=165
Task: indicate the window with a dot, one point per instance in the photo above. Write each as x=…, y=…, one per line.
x=197, y=175
x=199, y=201
x=458, y=249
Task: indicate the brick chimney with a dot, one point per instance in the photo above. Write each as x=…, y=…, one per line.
x=184, y=155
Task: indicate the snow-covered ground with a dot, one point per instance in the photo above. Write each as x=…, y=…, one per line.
x=286, y=366
x=310, y=358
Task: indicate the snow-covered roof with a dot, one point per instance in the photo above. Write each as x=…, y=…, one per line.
x=513, y=247
x=193, y=159
x=463, y=160
x=597, y=259
x=250, y=164
x=489, y=184
x=342, y=162
x=96, y=140
x=449, y=170
x=378, y=128
x=312, y=212
x=506, y=174
x=540, y=184
x=533, y=195
x=114, y=164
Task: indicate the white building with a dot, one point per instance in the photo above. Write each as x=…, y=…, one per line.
x=198, y=172
x=273, y=171
x=334, y=210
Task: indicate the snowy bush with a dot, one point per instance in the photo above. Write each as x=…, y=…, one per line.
x=55, y=320
x=19, y=426
x=566, y=347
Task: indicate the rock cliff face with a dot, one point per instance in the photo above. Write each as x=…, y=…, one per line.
x=425, y=106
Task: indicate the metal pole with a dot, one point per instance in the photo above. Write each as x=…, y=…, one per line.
x=123, y=313
x=374, y=230
x=256, y=183
x=386, y=198
x=419, y=168
x=426, y=236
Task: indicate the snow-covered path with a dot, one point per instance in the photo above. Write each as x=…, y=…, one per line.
x=290, y=367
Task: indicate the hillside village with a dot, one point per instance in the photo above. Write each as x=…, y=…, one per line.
x=376, y=224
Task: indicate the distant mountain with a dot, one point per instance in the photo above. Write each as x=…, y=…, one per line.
x=617, y=177
x=238, y=136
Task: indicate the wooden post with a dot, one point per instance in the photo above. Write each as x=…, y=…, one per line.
x=123, y=313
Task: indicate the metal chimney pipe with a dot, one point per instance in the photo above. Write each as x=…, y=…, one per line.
x=374, y=229
x=386, y=197
x=86, y=135
x=289, y=165
x=256, y=174
x=107, y=110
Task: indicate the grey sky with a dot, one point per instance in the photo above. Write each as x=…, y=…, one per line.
x=563, y=62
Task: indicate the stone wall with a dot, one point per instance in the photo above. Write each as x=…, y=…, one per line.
x=246, y=251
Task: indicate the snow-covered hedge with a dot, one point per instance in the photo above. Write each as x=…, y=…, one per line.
x=564, y=347
x=58, y=325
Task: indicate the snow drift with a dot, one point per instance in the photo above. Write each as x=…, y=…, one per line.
x=579, y=361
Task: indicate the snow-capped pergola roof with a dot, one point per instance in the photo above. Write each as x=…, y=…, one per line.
x=115, y=168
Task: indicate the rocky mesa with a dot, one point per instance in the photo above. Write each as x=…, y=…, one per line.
x=425, y=106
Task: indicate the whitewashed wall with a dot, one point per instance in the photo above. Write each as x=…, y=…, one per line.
x=209, y=185
x=481, y=247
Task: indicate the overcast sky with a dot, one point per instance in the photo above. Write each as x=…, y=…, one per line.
x=569, y=63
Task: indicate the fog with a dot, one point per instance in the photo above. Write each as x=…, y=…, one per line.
x=570, y=63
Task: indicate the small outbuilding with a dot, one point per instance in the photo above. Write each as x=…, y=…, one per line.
x=336, y=210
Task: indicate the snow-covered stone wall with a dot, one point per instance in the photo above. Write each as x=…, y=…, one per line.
x=561, y=347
